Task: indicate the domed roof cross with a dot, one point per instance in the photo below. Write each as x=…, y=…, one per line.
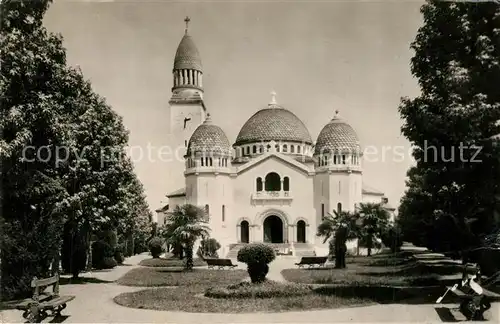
x=273, y=98
x=187, y=20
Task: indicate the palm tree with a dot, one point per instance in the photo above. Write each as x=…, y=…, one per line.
x=373, y=220
x=341, y=226
x=185, y=224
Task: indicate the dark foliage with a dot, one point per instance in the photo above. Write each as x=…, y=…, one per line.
x=101, y=255
x=257, y=256
x=208, y=248
x=156, y=247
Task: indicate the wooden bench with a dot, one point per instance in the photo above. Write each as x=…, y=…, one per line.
x=312, y=261
x=35, y=308
x=220, y=263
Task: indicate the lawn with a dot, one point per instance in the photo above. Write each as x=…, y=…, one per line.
x=191, y=299
x=381, y=270
x=160, y=277
x=169, y=262
x=189, y=295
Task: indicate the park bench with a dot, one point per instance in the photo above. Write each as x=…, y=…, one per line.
x=220, y=263
x=35, y=308
x=312, y=261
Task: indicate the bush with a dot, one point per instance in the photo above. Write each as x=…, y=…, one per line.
x=208, y=248
x=257, y=256
x=108, y=263
x=119, y=255
x=266, y=289
x=101, y=251
x=74, y=249
x=155, y=247
x=392, y=238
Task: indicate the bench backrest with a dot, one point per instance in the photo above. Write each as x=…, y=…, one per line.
x=313, y=259
x=40, y=284
x=219, y=262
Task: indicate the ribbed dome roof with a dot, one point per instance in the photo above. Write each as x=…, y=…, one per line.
x=209, y=138
x=336, y=136
x=274, y=123
x=187, y=55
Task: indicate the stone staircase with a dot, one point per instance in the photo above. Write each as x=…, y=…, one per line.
x=235, y=248
x=304, y=249
x=301, y=249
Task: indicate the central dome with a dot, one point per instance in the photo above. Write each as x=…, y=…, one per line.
x=274, y=123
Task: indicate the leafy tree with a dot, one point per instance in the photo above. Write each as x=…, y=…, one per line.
x=373, y=220
x=450, y=200
x=61, y=152
x=185, y=224
x=32, y=121
x=341, y=226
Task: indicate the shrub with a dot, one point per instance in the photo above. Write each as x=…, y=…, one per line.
x=257, y=256
x=392, y=238
x=208, y=248
x=108, y=263
x=266, y=289
x=155, y=247
x=100, y=252
x=119, y=255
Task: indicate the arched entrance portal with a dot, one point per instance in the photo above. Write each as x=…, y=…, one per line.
x=301, y=231
x=245, y=232
x=273, y=229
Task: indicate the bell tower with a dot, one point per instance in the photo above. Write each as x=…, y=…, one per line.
x=187, y=109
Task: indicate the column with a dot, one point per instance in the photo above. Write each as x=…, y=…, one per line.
x=185, y=75
x=292, y=238
x=191, y=77
x=238, y=233
x=201, y=79
x=181, y=77
x=196, y=78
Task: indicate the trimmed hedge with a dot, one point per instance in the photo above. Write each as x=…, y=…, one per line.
x=167, y=263
x=257, y=256
x=266, y=289
x=155, y=247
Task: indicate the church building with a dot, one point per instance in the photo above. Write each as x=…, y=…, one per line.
x=273, y=183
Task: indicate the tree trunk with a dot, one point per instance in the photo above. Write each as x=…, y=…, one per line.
x=189, y=256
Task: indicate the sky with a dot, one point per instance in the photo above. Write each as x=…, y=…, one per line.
x=318, y=56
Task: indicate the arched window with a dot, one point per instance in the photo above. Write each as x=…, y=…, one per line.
x=298, y=149
x=286, y=184
x=223, y=213
x=322, y=211
x=261, y=149
x=339, y=208
x=254, y=149
x=268, y=147
x=277, y=147
x=285, y=148
x=301, y=231
x=207, y=212
x=247, y=150
x=202, y=162
x=343, y=159
x=259, y=184
x=273, y=182
x=292, y=148
x=335, y=160
x=210, y=161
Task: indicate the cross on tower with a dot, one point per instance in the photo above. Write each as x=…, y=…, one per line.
x=187, y=20
x=273, y=98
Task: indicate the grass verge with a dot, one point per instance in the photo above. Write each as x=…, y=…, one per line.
x=158, y=277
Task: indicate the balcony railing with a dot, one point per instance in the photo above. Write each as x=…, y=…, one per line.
x=272, y=195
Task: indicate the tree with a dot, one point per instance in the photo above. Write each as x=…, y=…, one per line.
x=341, y=226
x=373, y=219
x=33, y=123
x=185, y=224
x=450, y=200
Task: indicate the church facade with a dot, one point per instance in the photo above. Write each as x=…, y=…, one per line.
x=273, y=184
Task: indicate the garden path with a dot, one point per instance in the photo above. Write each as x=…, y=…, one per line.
x=94, y=304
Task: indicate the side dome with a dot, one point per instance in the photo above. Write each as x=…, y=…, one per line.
x=187, y=55
x=209, y=138
x=337, y=136
x=274, y=123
